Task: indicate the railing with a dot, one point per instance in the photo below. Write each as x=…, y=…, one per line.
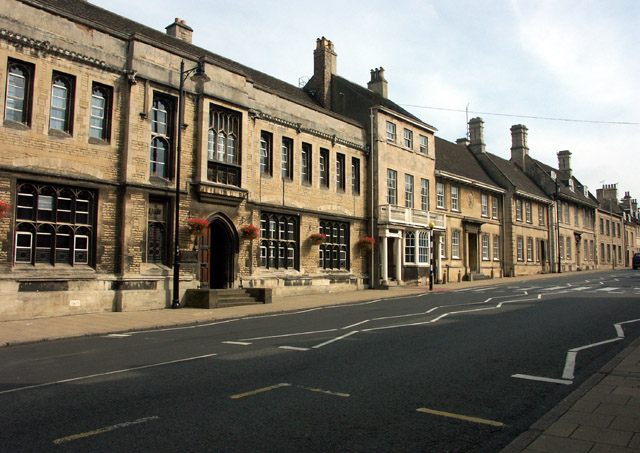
x=408, y=216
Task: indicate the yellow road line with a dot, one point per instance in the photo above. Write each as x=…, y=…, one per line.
x=103, y=430
x=460, y=417
x=343, y=395
x=255, y=392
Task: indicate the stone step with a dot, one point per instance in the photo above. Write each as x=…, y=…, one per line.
x=237, y=302
x=217, y=298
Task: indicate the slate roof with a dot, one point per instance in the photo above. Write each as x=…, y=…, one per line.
x=371, y=98
x=460, y=161
x=516, y=176
x=563, y=187
x=122, y=27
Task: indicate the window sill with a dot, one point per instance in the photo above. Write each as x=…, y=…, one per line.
x=160, y=181
x=59, y=134
x=98, y=141
x=16, y=125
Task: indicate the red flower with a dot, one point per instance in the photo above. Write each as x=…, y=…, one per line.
x=318, y=238
x=366, y=242
x=4, y=208
x=249, y=232
x=197, y=226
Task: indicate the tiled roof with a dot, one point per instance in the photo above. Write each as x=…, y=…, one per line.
x=516, y=176
x=459, y=160
x=563, y=187
x=371, y=98
x=112, y=23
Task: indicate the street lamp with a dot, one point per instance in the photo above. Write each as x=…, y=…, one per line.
x=431, y=225
x=199, y=77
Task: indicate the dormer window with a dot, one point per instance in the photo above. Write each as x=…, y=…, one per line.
x=571, y=184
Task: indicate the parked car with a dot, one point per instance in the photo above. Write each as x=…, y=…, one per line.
x=636, y=261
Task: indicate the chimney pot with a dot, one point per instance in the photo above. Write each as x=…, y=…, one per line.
x=179, y=29
x=378, y=83
x=325, y=64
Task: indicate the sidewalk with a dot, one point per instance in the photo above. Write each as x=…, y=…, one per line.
x=602, y=415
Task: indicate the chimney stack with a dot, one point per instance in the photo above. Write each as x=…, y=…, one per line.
x=325, y=64
x=519, y=146
x=564, y=162
x=608, y=192
x=378, y=84
x=463, y=142
x=179, y=29
x=476, y=135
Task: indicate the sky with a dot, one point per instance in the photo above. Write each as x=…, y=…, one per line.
x=575, y=63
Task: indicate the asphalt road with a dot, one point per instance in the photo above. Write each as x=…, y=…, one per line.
x=465, y=370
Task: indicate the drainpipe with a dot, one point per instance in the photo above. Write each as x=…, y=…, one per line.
x=371, y=161
x=504, y=238
x=124, y=168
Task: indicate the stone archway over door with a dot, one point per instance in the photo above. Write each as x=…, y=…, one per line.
x=223, y=247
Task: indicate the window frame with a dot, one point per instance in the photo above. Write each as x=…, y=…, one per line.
x=162, y=132
x=495, y=208
x=391, y=132
x=440, y=196
x=266, y=153
x=104, y=128
x=496, y=247
x=520, y=248
x=484, y=202
x=424, y=194
x=306, y=166
x=54, y=217
x=161, y=224
x=455, y=198
x=485, y=247
x=518, y=210
x=66, y=82
x=341, y=182
x=408, y=190
x=25, y=111
x=392, y=187
x=424, y=145
x=323, y=167
x=334, y=253
x=455, y=244
x=286, y=158
x=279, y=236
x=355, y=176
x=410, y=247
x=408, y=139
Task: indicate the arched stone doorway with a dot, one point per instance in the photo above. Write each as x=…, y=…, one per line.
x=219, y=254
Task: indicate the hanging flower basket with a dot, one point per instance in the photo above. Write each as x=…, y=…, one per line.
x=366, y=242
x=249, y=232
x=318, y=238
x=196, y=227
x=4, y=209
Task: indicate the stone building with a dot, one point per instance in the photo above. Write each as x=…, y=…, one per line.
x=400, y=198
x=473, y=246
x=526, y=206
x=629, y=207
x=611, y=228
x=572, y=235
x=93, y=144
